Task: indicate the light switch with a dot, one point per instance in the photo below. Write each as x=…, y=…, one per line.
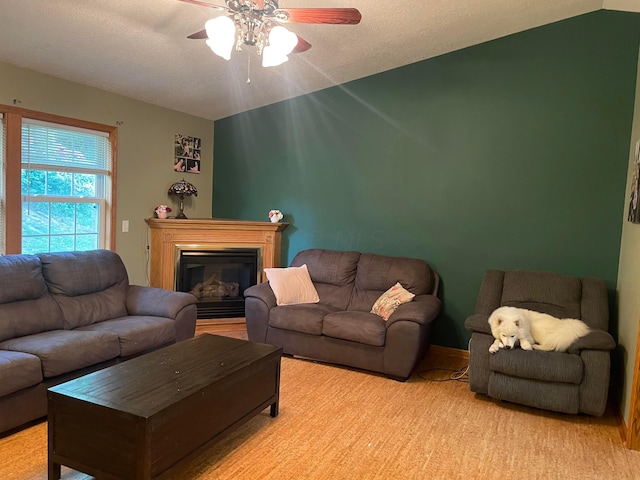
x=125, y=226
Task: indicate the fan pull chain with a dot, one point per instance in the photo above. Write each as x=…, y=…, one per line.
x=248, y=68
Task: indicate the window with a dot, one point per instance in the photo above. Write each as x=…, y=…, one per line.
x=64, y=181
x=59, y=184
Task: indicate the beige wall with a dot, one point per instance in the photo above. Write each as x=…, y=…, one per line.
x=628, y=291
x=145, y=150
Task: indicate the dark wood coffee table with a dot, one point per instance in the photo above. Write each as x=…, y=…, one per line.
x=137, y=419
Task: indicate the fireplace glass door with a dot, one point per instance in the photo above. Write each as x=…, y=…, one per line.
x=218, y=279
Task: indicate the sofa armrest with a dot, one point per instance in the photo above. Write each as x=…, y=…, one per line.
x=423, y=310
x=596, y=339
x=259, y=300
x=263, y=292
x=157, y=302
x=478, y=322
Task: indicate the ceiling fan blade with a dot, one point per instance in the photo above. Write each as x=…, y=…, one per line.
x=302, y=45
x=201, y=35
x=206, y=4
x=338, y=16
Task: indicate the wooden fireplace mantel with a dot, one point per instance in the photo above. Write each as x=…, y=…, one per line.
x=169, y=236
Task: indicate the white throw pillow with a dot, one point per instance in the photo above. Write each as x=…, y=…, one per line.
x=292, y=285
x=390, y=300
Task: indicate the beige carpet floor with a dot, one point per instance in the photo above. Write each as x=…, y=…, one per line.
x=336, y=423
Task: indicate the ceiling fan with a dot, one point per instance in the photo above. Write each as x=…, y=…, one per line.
x=257, y=23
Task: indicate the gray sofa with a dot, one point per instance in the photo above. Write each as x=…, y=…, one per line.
x=569, y=382
x=63, y=315
x=339, y=329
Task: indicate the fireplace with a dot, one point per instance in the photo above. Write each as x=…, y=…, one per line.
x=218, y=279
x=169, y=237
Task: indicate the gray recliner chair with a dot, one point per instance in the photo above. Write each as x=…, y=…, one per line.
x=572, y=382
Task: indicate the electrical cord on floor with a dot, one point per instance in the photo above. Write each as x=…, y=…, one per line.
x=461, y=375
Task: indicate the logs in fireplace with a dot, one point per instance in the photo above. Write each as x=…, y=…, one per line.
x=218, y=278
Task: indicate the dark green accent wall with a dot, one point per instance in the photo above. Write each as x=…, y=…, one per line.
x=511, y=154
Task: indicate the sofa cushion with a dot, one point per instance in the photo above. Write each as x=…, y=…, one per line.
x=28, y=317
x=21, y=278
x=552, y=293
x=17, y=371
x=79, y=273
x=361, y=327
x=377, y=273
x=25, y=304
x=62, y=351
x=329, y=266
x=303, y=318
x=137, y=334
x=537, y=365
x=390, y=300
x=88, y=286
x=292, y=285
x=333, y=273
x=93, y=307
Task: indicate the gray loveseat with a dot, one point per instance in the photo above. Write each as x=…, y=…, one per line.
x=339, y=329
x=63, y=315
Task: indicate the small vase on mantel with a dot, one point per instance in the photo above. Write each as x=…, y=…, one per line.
x=275, y=216
x=162, y=211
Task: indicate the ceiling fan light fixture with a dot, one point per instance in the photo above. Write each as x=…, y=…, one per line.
x=254, y=23
x=282, y=40
x=271, y=58
x=222, y=36
x=281, y=43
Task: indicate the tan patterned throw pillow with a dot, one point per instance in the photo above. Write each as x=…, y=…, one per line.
x=390, y=300
x=292, y=285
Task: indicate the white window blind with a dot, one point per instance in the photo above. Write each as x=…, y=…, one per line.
x=52, y=147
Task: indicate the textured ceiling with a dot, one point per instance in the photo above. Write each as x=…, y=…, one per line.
x=138, y=48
